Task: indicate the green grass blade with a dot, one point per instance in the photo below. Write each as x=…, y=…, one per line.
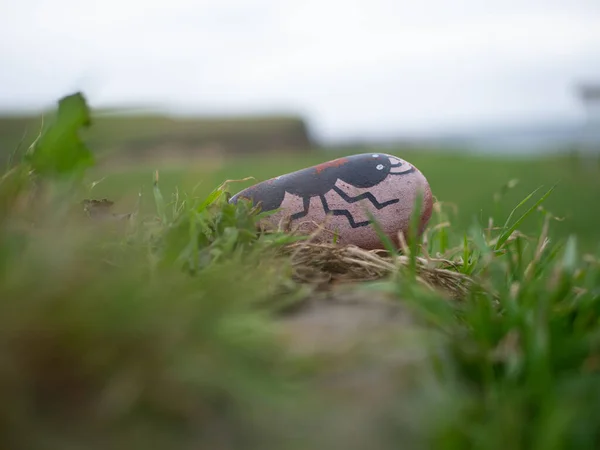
x=507, y=233
x=521, y=203
x=159, y=200
x=569, y=262
x=413, y=233
x=385, y=239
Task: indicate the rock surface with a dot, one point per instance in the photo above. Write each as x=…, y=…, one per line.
x=339, y=195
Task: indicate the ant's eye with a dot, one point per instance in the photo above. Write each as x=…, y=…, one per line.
x=379, y=166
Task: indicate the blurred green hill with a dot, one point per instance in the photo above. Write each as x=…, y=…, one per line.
x=146, y=134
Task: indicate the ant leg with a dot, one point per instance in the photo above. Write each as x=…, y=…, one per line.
x=366, y=195
x=306, y=204
x=342, y=212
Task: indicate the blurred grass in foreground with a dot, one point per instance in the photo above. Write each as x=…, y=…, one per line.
x=164, y=331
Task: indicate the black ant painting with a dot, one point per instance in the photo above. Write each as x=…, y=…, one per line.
x=361, y=171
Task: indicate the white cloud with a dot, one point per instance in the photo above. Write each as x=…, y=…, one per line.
x=351, y=65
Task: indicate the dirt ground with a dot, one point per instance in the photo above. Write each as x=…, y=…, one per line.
x=374, y=353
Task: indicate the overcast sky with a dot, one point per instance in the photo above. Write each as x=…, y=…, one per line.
x=358, y=67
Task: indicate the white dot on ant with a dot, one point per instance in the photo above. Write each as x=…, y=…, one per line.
x=375, y=156
x=379, y=166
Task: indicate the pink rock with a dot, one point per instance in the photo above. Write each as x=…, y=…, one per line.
x=339, y=194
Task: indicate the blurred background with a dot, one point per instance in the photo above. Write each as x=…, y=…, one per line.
x=474, y=93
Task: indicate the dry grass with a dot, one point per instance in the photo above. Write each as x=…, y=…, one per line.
x=324, y=264
x=330, y=264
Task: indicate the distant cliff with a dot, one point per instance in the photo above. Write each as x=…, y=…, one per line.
x=146, y=134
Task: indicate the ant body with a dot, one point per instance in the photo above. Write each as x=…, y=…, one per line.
x=361, y=171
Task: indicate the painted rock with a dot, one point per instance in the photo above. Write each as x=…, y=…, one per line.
x=338, y=195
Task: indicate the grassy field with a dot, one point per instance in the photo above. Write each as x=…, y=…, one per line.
x=187, y=327
x=470, y=183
